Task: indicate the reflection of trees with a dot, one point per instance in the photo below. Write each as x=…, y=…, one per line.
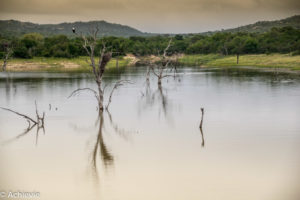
x=120, y=131
x=39, y=123
x=158, y=97
x=25, y=132
x=101, y=148
x=9, y=86
x=202, y=137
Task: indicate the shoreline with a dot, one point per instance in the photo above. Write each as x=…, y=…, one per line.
x=278, y=63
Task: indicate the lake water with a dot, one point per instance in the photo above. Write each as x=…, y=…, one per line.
x=149, y=145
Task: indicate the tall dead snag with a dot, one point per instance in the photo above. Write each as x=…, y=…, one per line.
x=8, y=51
x=98, y=68
x=159, y=69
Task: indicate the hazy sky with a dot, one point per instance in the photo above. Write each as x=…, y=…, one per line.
x=162, y=16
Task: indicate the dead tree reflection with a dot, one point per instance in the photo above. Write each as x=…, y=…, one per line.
x=149, y=98
x=101, y=149
x=39, y=123
x=202, y=137
x=124, y=134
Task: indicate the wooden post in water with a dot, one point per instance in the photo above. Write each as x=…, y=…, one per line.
x=202, y=113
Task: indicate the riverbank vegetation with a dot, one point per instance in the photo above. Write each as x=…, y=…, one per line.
x=79, y=64
x=279, y=47
x=278, y=40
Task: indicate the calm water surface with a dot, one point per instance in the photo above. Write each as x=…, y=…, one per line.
x=149, y=146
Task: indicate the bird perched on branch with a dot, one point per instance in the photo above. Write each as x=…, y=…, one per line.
x=73, y=29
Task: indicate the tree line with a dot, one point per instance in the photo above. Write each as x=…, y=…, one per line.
x=277, y=40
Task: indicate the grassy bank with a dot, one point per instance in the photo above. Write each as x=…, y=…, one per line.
x=39, y=64
x=282, y=61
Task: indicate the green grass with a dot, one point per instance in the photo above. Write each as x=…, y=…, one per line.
x=192, y=60
x=282, y=61
x=78, y=64
x=262, y=60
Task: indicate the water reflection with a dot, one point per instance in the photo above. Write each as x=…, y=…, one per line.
x=101, y=149
x=124, y=134
x=39, y=124
x=165, y=161
x=202, y=137
x=150, y=98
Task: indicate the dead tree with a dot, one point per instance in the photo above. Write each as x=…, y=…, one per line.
x=8, y=52
x=159, y=69
x=98, y=68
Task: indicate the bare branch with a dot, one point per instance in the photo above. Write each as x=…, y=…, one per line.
x=117, y=84
x=154, y=72
x=80, y=89
x=22, y=115
x=166, y=49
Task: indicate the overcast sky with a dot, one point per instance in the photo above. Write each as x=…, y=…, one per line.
x=160, y=16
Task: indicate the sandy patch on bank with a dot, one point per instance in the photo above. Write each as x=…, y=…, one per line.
x=133, y=59
x=25, y=66
x=36, y=66
x=69, y=65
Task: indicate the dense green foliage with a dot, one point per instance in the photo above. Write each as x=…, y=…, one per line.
x=278, y=40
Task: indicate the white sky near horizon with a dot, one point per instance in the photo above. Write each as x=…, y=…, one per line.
x=158, y=16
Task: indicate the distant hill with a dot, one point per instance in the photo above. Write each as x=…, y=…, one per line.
x=17, y=28
x=264, y=26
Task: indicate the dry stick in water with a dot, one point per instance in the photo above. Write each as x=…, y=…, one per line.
x=202, y=113
x=39, y=122
x=22, y=115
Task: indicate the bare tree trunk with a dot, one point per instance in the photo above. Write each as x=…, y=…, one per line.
x=159, y=81
x=8, y=53
x=237, y=58
x=4, y=65
x=100, y=91
x=163, y=66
